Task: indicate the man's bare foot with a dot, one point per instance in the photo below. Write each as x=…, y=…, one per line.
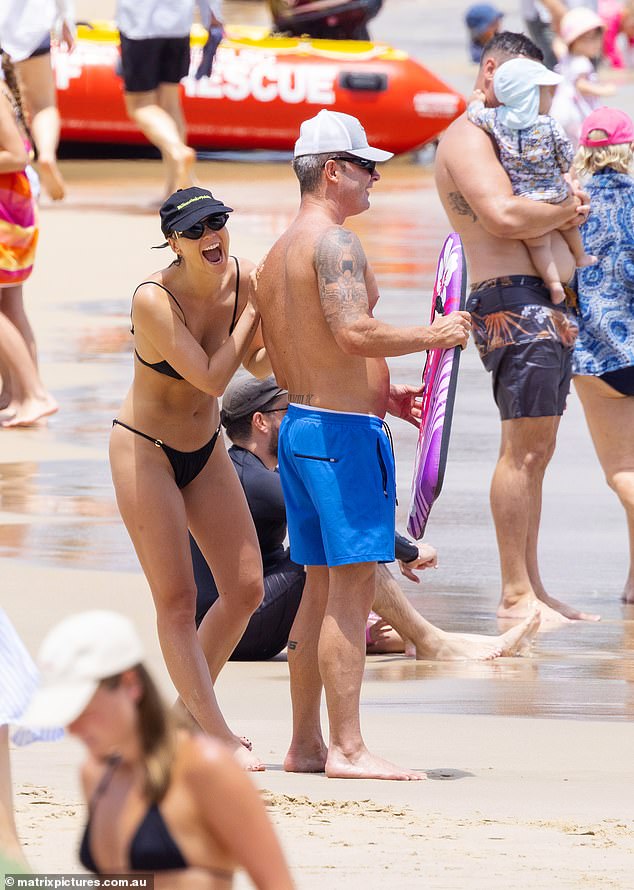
x=366, y=766
x=553, y=612
x=306, y=758
x=28, y=412
x=479, y=647
x=568, y=612
x=51, y=178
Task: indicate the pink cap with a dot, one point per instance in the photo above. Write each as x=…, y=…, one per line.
x=617, y=124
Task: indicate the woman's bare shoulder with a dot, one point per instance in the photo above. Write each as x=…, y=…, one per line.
x=196, y=753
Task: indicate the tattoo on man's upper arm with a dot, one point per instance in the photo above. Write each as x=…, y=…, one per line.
x=460, y=205
x=340, y=264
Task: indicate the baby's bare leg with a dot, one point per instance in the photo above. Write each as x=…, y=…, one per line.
x=574, y=241
x=541, y=253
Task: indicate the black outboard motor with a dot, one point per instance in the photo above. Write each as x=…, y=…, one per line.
x=326, y=19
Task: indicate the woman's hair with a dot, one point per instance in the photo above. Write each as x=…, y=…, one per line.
x=157, y=733
x=589, y=160
x=308, y=169
x=11, y=81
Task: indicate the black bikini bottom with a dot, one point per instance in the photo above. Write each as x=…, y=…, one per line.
x=186, y=464
x=622, y=380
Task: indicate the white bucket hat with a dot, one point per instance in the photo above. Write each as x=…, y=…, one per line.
x=74, y=657
x=516, y=85
x=334, y=131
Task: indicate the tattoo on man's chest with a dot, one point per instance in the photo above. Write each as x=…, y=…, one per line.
x=459, y=204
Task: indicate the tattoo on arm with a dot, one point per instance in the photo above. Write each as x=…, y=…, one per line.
x=340, y=264
x=459, y=204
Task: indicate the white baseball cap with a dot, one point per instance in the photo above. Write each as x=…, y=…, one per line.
x=74, y=657
x=334, y=131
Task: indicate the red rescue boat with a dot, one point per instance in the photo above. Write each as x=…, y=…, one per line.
x=261, y=88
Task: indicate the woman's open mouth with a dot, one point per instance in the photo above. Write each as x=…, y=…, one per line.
x=213, y=254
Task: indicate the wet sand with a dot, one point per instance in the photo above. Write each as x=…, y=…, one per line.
x=529, y=760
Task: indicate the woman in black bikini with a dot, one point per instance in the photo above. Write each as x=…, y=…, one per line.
x=193, y=325
x=160, y=799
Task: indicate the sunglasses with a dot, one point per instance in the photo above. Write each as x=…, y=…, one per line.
x=215, y=222
x=370, y=166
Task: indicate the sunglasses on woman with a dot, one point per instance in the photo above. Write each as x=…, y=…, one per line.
x=370, y=166
x=215, y=222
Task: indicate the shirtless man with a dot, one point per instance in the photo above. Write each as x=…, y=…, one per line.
x=316, y=293
x=523, y=339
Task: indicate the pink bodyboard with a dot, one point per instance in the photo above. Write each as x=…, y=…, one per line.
x=440, y=378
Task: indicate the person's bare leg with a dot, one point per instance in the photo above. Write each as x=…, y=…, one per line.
x=154, y=513
x=307, y=751
x=341, y=655
x=432, y=643
x=30, y=401
x=162, y=130
x=227, y=539
x=526, y=447
x=169, y=98
x=12, y=305
x=5, y=390
x=9, y=842
x=610, y=419
x=573, y=239
x=37, y=84
x=548, y=603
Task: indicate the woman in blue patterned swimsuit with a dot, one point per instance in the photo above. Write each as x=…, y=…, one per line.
x=603, y=361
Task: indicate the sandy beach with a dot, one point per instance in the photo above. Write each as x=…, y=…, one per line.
x=529, y=760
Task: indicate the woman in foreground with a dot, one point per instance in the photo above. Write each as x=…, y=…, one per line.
x=160, y=799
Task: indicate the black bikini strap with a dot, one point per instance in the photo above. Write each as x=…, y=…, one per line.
x=157, y=442
x=163, y=288
x=235, y=305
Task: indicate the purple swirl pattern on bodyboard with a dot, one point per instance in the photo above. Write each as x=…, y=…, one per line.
x=439, y=376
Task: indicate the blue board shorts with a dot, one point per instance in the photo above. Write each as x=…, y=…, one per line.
x=338, y=478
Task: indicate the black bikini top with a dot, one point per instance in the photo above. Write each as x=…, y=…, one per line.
x=152, y=848
x=164, y=366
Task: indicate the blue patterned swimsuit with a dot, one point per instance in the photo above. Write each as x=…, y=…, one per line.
x=606, y=290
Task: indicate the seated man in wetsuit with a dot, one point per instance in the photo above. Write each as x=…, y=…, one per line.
x=252, y=411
